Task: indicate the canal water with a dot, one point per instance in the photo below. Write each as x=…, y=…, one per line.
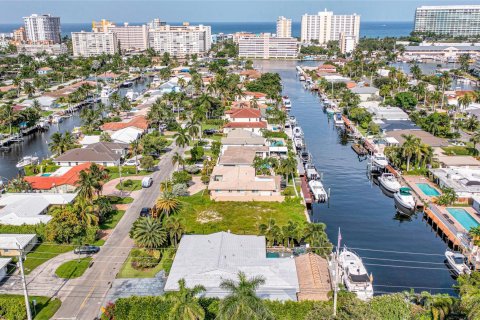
x=37, y=143
x=400, y=254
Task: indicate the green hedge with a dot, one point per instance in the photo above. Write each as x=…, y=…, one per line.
x=12, y=307
x=39, y=229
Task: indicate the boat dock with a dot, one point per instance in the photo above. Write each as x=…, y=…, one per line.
x=307, y=194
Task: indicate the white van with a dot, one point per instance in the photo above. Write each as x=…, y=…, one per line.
x=147, y=182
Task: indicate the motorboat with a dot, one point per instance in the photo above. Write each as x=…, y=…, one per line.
x=298, y=143
x=354, y=274
x=404, y=199
x=389, y=182
x=302, y=78
x=26, y=161
x=107, y=92
x=379, y=160
x=127, y=84
x=457, y=262
x=131, y=95
x=318, y=191
x=330, y=111
x=311, y=172
x=338, y=119
x=287, y=103
x=305, y=156
x=297, y=132
x=292, y=120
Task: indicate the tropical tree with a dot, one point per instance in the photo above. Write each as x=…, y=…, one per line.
x=465, y=100
x=8, y=116
x=469, y=288
x=270, y=230
x=175, y=226
x=472, y=123
x=148, y=233
x=61, y=142
x=88, y=185
x=474, y=232
x=185, y=305
x=242, y=301
x=410, y=148
x=194, y=127
x=167, y=204
x=181, y=137
x=475, y=139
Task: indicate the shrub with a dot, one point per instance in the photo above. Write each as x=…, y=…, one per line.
x=180, y=190
x=181, y=177
x=128, y=183
x=38, y=229
x=142, y=260
x=192, y=169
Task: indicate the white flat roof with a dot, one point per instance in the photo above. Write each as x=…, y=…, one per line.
x=10, y=241
x=210, y=259
x=4, y=262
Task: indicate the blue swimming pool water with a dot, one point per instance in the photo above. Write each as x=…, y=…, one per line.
x=46, y=175
x=428, y=190
x=273, y=255
x=463, y=217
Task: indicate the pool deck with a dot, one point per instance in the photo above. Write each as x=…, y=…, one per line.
x=412, y=181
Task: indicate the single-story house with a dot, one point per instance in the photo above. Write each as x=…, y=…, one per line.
x=139, y=122
x=240, y=137
x=210, y=259
x=366, y=93
x=30, y=208
x=88, y=140
x=9, y=244
x=240, y=183
x=44, y=71
x=107, y=154
x=126, y=135
x=242, y=155
x=46, y=102
x=3, y=267
x=464, y=180
x=255, y=127
x=426, y=137
x=260, y=97
x=63, y=180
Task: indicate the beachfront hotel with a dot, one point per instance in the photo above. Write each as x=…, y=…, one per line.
x=325, y=26
x=455, y=21
x=180, y=41
x=265, y=46
x=284, y=27
x=90, y=44
x=42, y=28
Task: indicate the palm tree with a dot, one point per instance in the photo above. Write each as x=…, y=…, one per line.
x=270, y=230
x=465, y=100
x=242, y=301
x=181, y=137
x=177, y=158
x=194, y=127
x=409, y=148
x=61, y=142
x=148, y=233
x=185, y=303
x=86, y=211
x=176, y=228
x=167, y=204
x=315, y=235
x=470, y=294
x=29, y=89
x=87, y=185
x=472, y=123
x=8, y=116
x=475, y=138
x=474, y=232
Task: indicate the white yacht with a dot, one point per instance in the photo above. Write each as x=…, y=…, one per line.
x=297, y=132
x=389, y=182
x=330, y=111
x=457, y=262
x=287, y=103
x=26, y=161
x=354, y=274
x=107, y=92
x=298, y=143
x=292, y=120
x=338, y=119
x=131, y=95
x=318, y=190
x=404, y=199
x=311, y=172
x=379, y=160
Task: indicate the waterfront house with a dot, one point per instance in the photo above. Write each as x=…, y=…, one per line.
x=326, y=69
x=366, y=93
x=260, y=97
x=88, y=140
x=243, y=115
x=12, y=244
x=63, y=180
x=242, y=155
x=46, y=102
x=30, y=208
x=107, y=154
x=209, y=259
x=240, y=137
x=246, y=119
x=126, y=135
x=240, y=183
x=426, y=137
x=465, y=181
x=138, y=122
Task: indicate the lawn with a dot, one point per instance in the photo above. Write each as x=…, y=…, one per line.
x=120, y=200
x=126, y=172
x=127, y=271
x=42, y=253
x=129, y=185
x=73, y=269
x=44, y=309
x=459, y=151
x=112, y=220
x=204, y=216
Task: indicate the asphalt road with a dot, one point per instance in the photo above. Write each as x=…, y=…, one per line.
x=87, y=296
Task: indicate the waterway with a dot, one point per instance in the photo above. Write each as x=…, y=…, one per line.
x=367, y=218
x=37, y=143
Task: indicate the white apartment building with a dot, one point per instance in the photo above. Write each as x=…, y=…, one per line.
x=42, y=28
x=89, y=44
x=180, y=41
x=347, y=43
x=284, y=27
x=265, y=46
x=54, y=49
x=131, y=37
x=325, y=26
x=456, y=20
x=476, y=68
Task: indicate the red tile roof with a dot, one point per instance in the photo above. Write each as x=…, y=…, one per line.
x=245, y=113
x=255, y=94
x=46, y=183
x=138, y=122
x=261, y=125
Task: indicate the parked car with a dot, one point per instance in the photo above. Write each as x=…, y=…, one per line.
x=86, y=249
x=147, y=182
x=135, y=161
x=209, y=132
x=145, y=212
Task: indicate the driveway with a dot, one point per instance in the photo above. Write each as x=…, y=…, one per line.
x=84, y=298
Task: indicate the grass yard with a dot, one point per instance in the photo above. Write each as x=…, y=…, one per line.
x=73, y=269
x=127, y=271
x=459, y=151
x=126, y=172
x=44, y=309
x=42, y=253
x=129, y=185
x=112, y=220
x=120, y=200
x=204, y=216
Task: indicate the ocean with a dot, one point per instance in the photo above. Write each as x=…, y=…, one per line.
x=368, y=29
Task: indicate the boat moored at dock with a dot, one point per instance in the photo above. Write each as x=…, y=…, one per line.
x=404, y=200
x=26, y=161
x=457, y=262
x=354, y=274
x=379, y=161
x=318, y=191
x=389, y=182
x=297, y=132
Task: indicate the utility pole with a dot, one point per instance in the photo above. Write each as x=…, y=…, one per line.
x=24, y=282
x=335, y=288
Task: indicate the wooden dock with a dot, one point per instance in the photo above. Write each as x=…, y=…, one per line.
x=307, y=195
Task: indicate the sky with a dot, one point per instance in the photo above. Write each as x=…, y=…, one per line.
x=75, y=11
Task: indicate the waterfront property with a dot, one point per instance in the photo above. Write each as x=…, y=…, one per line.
x=62, y=180
x=455, y=20
x=325, y=26
x=426, y=137
x=366, y=93
x=240, y=137
x=428, y=190
x=107, y=154
x=30, y=208
x=464, y=181
x=266, y=46
x=138, y=122
x=464, y=217
x=313, y=278
x=210, y=259
x=12, y=244
x=241, y=155
x=442, y=53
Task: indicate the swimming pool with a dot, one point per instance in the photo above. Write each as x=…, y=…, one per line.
x=428, y=190
x=46, y=174
x=463, y=217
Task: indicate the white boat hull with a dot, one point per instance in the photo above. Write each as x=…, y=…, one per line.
x=405, y=203
x=457, y=268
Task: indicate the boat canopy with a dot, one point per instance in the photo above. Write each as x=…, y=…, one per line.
x=405, y=191
x=359, y=277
